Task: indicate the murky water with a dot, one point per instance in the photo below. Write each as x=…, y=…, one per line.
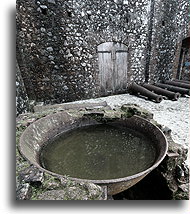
x=99, y=153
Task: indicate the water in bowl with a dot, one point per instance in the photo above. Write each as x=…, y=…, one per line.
x=99, y=152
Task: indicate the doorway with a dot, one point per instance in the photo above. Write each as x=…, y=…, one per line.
x=183, y=71
x=112, y=58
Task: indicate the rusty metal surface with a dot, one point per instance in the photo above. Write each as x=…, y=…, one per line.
x=38, y=133
x=169, y=94
x=182, y=81
x=180, y=90
x=178, y=84
x=139, y=90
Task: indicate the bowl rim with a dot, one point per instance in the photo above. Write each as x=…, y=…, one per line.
x=104, y=181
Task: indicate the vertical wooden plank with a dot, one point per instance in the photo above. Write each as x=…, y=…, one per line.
x=106, y=70
x=121, y=71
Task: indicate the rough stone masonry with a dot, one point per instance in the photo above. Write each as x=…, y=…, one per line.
x=57, y=44
x=60, y=46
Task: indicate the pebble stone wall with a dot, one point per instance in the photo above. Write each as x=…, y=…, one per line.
x=57, y=42
x=170, y=27
x=22, y=101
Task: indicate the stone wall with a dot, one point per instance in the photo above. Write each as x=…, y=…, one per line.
x=22, y=102
x=170, y=27
x=57, y=43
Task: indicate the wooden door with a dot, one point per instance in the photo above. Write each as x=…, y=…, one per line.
x=112, y=58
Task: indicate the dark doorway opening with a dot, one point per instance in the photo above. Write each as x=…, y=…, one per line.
x=183, y=71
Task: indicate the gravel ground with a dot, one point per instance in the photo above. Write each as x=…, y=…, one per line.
x=173, y=114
